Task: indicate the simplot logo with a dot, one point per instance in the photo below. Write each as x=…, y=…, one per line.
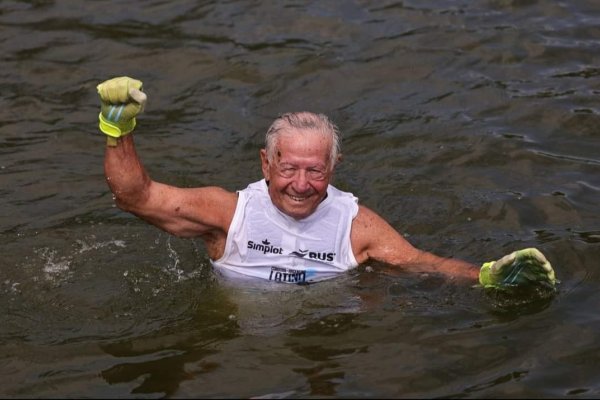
x=265, y=247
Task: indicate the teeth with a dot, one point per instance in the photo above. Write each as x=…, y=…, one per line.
x=296, y=198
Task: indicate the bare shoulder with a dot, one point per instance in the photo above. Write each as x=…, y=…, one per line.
x=369, y=224
x=373, y=237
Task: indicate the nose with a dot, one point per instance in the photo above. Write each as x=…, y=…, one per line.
x=301, y=183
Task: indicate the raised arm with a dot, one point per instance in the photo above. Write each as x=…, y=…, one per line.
x=187, y=212
x=373, y=238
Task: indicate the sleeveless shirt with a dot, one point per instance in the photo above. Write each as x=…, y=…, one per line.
x=263, y=242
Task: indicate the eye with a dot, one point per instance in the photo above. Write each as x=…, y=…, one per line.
x=316, y=174
x=287, y=171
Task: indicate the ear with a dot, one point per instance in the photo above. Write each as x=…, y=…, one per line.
x=338, y=160
x=264, y=162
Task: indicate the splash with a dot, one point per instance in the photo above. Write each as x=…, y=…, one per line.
x=54, y=266
x=85, y=247
x=57, y=268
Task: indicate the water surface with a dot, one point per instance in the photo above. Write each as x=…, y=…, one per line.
x=471, y=126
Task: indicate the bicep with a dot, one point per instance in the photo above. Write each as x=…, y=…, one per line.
x=187, y=212
x=373, y=238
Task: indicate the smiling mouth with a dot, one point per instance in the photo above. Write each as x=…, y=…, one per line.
x=298, y=199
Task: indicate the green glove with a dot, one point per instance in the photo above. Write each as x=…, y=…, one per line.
x=519, y=268
x=122, y=99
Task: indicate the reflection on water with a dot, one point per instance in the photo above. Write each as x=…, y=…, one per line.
x=471, y=126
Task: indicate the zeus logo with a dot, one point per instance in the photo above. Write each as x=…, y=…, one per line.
x=265, y=247
x=321, y=256
x=313, y=255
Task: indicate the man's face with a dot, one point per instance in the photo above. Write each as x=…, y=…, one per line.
x=299, y=173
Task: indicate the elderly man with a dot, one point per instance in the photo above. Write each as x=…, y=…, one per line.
x=292, y=226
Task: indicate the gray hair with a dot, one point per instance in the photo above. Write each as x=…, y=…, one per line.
x=304, y=120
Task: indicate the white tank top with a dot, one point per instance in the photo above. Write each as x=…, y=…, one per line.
x=265, y=243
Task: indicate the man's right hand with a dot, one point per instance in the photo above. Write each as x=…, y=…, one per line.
x=122, y=100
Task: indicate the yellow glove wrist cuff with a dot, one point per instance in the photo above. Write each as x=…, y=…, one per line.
x=484, y=274
x=111, y=129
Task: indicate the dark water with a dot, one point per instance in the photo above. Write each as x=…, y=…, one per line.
x=472, y=126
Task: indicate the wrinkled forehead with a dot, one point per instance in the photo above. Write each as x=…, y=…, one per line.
x=304, y=144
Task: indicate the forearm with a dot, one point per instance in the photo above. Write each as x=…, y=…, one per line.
x=185, y=212
x=125, y=174
x=452, y=267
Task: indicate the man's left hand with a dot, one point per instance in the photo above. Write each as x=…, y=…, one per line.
x=519, y=268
